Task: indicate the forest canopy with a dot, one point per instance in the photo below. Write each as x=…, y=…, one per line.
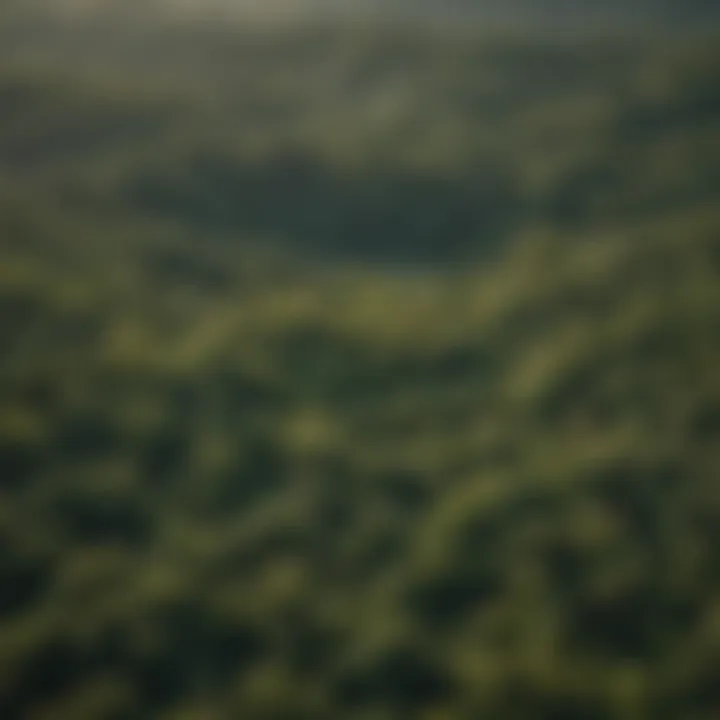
x=350, y=372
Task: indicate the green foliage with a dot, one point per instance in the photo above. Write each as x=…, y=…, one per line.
x=239, y=482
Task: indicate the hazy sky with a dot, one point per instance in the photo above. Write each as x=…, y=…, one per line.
x=543, y=12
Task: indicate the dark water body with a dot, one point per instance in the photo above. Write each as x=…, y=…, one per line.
x=369, y=216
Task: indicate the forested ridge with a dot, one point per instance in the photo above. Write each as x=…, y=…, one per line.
x=373, y=376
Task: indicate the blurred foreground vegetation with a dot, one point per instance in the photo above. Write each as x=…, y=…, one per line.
x=359, y=375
